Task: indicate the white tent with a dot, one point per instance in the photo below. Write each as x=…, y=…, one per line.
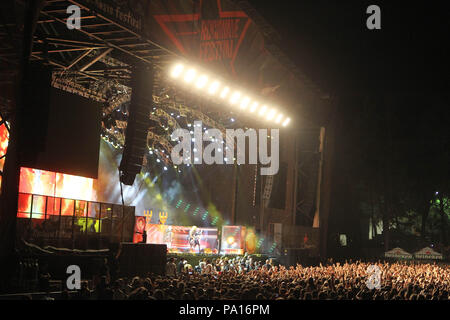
x=429, y=254
x=398, y=253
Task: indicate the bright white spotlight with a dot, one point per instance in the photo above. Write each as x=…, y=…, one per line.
x=235, y=97
x=286, y=122
x=254, y=106
x=190, y=75
x=177, y=70
x=279, y=118
x=225, y=92
x=245, y=102
x=262, y=111
x=271, y=114
x=201, y=82
x=214, y=87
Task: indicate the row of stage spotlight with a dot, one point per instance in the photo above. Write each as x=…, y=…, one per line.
x=234, y=97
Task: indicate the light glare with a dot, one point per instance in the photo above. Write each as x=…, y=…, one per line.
x=262, y=111
x=278, y=120
x=245, y=103
x=214, y=87
x=177, y=70
x=225, y=92
x=190, y=75
x=201, y=82
x=254, y=106
x=271, y=114
x=235, y=97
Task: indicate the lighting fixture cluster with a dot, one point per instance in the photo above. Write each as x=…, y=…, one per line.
x=111, y=140
x=213, y=87
x=161, y=154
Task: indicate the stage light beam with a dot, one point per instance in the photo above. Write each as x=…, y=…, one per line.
x=235, y=97
x=271, y=114
x=225, y=92
x=201, y=82
x=214, y=87
x=245, y=102
x=254, y=106
x=177, y=70
x=262, y=111
x=279, y=118
x=190, y=75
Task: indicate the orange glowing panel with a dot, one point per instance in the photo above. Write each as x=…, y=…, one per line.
x=74, y=187
x=24, y=207
x=53, y=205
x=67, y=207
x=41, y=183
x=53, y=184
x=38, y=206
x=37, y=182
x=4, y=139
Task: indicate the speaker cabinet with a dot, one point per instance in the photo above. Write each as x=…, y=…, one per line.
x=140, y=259
x=138, y=123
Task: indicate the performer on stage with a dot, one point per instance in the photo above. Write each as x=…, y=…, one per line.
x=194, y=238
x=144, y=236
x=168, y=234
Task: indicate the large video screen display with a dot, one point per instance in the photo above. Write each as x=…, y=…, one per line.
x=177, y=238
x=4, y=139
x=43, y=183
x=233, y=239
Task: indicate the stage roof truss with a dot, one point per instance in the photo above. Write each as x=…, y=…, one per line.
x=96, y=62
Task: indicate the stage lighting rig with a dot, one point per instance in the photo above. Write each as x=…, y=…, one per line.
x=211, y=86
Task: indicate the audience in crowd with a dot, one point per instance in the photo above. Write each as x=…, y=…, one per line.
x=241, y=278
x=244, y=278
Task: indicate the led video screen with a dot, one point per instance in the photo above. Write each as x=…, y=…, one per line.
x=177, y=238
x=233, y=240
x=4, y=139
x=43, y=184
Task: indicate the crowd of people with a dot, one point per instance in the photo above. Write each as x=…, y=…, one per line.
x=238, y=264
x=242, y=278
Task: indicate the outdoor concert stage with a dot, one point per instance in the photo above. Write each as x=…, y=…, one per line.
x=76, y=190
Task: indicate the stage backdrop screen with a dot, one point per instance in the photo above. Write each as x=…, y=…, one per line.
x=233, y=240
x=176, y=237
x=42, y=184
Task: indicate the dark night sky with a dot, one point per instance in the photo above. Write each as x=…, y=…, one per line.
x=329, y=40
x=402, y=134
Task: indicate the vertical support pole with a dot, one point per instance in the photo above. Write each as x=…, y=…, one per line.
x=30, y=224
x=234, y=192
x=73, y=224
x=60, y=222
x=294, y=197
x=316, y=220
x=86, y=230
x=261, y=205
x=328, y=155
